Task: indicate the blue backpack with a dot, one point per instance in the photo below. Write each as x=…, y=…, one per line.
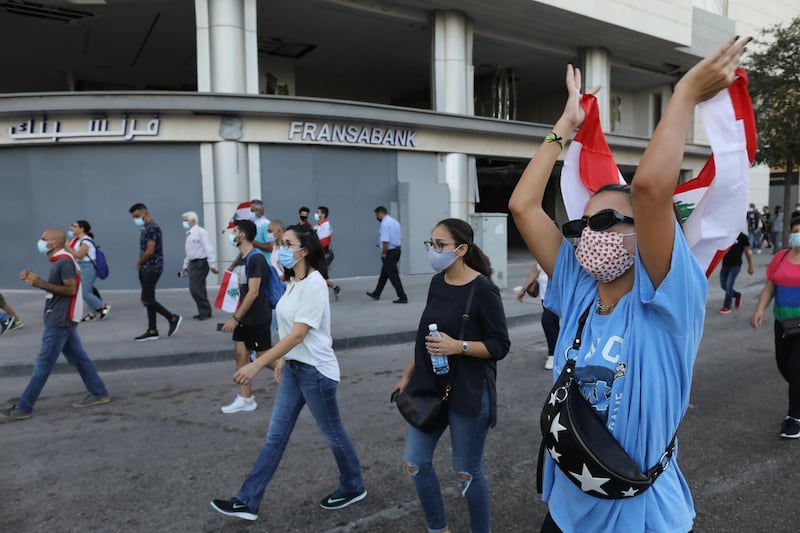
x=100, y=263
x=274, y=286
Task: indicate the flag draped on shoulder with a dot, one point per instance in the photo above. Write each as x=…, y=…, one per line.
x=75, y=310
x=242, y=213
x=712, y=205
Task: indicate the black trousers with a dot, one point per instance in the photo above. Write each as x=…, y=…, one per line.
x=787, y=355
x=198, y=272
x=389, y=272
x=148, y=281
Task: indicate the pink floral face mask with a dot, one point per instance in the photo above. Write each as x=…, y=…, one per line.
x=602, y=254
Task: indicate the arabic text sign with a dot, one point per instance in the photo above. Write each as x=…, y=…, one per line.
x=96, y=128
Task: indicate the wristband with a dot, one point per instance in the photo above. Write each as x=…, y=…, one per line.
x=236, y=319
x=553, y=137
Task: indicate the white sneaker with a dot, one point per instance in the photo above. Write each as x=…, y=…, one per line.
x=240, y=404
x=548, y=362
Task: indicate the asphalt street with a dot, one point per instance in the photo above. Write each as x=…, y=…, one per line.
x=153, y=458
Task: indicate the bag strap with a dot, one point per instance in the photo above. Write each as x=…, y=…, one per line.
x=465, y=316
x=451, y=376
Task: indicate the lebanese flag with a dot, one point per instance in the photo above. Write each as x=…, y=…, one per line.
x=228, y=295
x=713, y=205
x=242, y=213
x=75, y=309
x=588, y=164
x=710, y=209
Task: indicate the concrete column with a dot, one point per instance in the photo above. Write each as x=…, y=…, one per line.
x=597, y=71
x=227, y=62
x=452, y=93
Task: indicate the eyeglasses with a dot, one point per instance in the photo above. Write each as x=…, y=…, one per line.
x=286, y=245
x=438, y=246
x=600, y=221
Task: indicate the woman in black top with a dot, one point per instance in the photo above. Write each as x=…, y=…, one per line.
x=472, y=405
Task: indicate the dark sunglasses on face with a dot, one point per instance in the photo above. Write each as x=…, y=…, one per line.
x=600, y=221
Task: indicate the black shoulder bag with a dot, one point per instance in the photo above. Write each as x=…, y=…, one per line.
x=421, y=406
x=581, y=445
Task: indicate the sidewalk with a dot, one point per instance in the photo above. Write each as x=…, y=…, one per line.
x=356, y=321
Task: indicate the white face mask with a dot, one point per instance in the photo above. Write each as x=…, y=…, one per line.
x=603, y=255
x=794, y=240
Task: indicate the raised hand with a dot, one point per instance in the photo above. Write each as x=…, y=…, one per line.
x=573, y=111
x=715, y=72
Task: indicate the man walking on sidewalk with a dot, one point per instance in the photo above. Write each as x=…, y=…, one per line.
x=150, y=265
x=62, y=311
x=200, y=254
x=389, y=237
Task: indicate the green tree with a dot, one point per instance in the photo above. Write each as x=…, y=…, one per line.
x=773, y=69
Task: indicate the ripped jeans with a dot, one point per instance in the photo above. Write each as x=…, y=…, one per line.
x=467, y=436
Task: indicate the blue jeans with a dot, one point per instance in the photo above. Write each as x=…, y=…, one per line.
x=301, y=384
x=54, y=342
x=467, y=437
x=755, y=240
x=88, y=277
x=727, y=276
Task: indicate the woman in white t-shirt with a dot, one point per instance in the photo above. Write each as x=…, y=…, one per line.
x=82, y=247
x=307, y=371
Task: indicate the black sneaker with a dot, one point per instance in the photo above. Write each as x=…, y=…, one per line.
x=790, y=428
x=12, y=413
x=339, y=500
x=234, y=507
x=336, y=292
x=6, y=324
x=174, y=325
x=148, y=336
x=373, y=295
x=400, y=301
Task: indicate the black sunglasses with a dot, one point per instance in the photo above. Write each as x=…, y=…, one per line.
x=600, y=221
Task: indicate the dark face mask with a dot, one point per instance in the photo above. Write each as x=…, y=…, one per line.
x=303, y=217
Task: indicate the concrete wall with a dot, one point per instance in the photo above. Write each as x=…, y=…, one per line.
x=44, y=187
x=350, y=182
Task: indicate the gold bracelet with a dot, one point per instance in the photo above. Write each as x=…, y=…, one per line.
x=553, y=137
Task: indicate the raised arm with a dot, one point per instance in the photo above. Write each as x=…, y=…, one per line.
x=655, y=179
x=541, y=235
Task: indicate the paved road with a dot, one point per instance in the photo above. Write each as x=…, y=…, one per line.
x=151, y=460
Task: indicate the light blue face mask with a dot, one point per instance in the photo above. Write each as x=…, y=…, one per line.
x=42, y=246
x=139, y=221
x=70, y=234
x=794, y=240
x=270, y=237
x=286, y=258
x=186, y=225
x=232, y=239
x=441, y=260
x=317, y=217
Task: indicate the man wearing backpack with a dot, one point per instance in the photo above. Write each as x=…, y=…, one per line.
x=250, y=323
x=200, y=254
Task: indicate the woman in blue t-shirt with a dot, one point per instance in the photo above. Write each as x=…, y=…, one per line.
x=643, y=294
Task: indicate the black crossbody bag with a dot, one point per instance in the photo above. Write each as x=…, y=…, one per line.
x=581, y=445
x=422, y=406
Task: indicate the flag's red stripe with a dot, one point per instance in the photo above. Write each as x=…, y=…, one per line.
x=597, y=166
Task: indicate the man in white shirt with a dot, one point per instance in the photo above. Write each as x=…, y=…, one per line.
x=199, y=255
x=389, y=237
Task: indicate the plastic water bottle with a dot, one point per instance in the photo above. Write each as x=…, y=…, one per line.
x=439, y=362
